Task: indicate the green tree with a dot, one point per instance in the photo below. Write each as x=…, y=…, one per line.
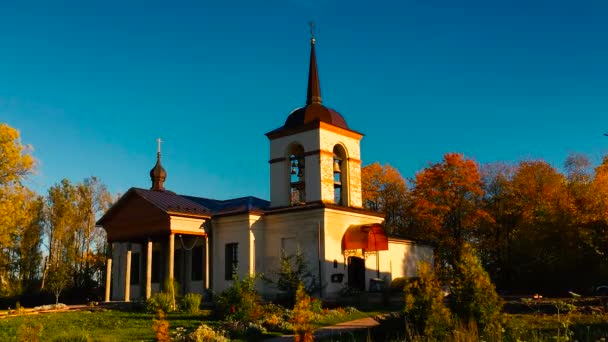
x=58, y=279
x=240, y=301
x=293, y=271
x=473, y=296
x=425, y=311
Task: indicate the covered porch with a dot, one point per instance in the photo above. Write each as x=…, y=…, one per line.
x=360, y=245
x=155, y=237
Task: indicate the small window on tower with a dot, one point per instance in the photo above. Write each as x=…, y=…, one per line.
x=340, y=172
x=297, y=185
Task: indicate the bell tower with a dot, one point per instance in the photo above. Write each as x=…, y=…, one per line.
x=315, y=157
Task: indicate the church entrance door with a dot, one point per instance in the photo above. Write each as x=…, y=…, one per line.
x=356, y=273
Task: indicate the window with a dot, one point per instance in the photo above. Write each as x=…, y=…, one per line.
x=231, y=260
x=340, y=176
x=197, y=263
x=134, y=269
x=297, y=185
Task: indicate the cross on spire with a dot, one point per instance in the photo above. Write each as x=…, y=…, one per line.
x=159, y=142
x=314, y=89
x=312, y=31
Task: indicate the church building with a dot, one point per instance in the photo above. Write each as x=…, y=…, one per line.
x=315, y=208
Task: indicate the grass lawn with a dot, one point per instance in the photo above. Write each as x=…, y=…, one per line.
x=101, y=325
x=113, y=325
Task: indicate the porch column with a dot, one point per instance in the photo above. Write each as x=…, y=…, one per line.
x=128, y=274
x=171, y=256
x=206, y=261
x=108, y=279
x=149, y=269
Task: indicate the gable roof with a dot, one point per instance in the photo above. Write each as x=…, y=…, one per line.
x=167, y=201
x=232, y=206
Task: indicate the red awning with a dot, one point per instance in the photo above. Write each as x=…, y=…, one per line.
x=369, y=237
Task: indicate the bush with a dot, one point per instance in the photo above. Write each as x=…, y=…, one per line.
x=161, y=328
x=398, y=284
x=239, y=302
x=293, y=270
x=160, y=301
x=276, y=318
x=302, y=317
x=205, y=333
x=191, y=303
x=29, y=332
x=473, y=296
x=71, y=337
x=424, y=308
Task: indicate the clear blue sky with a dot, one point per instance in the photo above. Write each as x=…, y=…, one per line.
x=92, y=84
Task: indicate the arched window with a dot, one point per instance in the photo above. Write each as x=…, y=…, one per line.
x=340, y=176
x=297, y=186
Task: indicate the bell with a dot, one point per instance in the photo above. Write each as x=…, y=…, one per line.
x=337, y=166
x=293, y=167
x=300, y=172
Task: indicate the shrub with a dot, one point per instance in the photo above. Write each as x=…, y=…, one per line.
x=205, y=333
x=71, y=337
x=473, y=296
x=161, y=328
x=424, y=308
x=171, y=288
x=302, y=317
x=293, y=270
x=276, y=318
x=398, y=284
x=29, y=332
x=159, y=301
x=191, y=303
x=239, y=302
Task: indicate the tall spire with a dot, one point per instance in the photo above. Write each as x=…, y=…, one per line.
x=314, y=88
x=158, y=173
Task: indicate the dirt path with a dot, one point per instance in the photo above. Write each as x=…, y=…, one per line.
x=335, y=330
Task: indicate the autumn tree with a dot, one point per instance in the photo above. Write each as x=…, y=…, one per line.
x=447, y=205
x=16, y=163
x=92, y=200
x=72, y=237
x=28, y=244
x=494, y=236
x=385, y=190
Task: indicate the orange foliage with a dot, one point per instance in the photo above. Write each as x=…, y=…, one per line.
x=385, y=190
x=161, y=328
x=446, y=202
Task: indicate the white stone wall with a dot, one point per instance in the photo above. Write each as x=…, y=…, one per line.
x=279, y=171
x=186, y=224
x=336, y=223
x=405, y=257
x=303, y=226
x=119, y=265
x=328, y=139
x=231, y=229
